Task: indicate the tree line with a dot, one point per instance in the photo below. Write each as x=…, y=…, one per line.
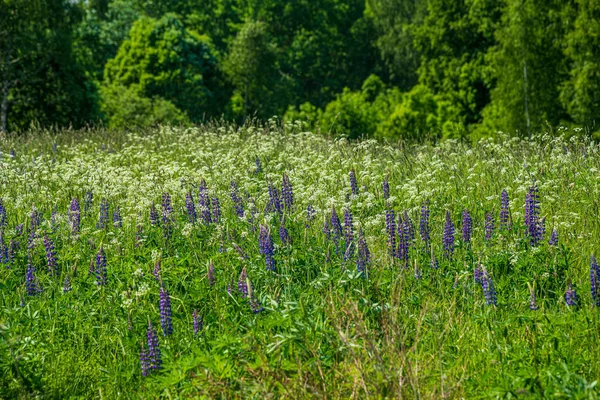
x=363, y=68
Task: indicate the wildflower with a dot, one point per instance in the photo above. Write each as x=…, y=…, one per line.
x=424, y=228
x=101, y=277
x=144, y=361
x=19, y=230
x=403, y=242
x=50, y=256
x=390, y=227
x=386, y=187
x=353, y=183
x=31, y=284
x=489, y=226
x=243, y=283
x=348, y=234
x=165, y=312
x=553, y=238
x=532, y=216
x=204, y=203
x=154, y=356
x=197, y=322
x=467, y=227
x=504, y=210
x=154, y=220
x=448, y=236
x=117, y=219
x=88, y=201
x=310, y=215
x=191, y=208
x=284, y=234
x=274, y=204
x=409, y=227
x=255, y=306
x=478, y=273
x=157, y=267
x=4, y=249
x=266, y=247
x=488, y=289
x=571, y=296
x=103, y=215
x=75, y=215
x=336, y=228
x=287, y=192
x=236, y=199
x=216, y=210
x=258, y=166
x=3, y=219
x=594, y=281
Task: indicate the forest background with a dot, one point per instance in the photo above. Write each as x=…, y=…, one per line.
x=395, y=69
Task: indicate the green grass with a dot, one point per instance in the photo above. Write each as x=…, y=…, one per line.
x=326, y=329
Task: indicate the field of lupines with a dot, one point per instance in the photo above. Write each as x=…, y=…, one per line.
x=266, y=262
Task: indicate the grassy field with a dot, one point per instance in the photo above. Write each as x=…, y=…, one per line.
x=209, y=263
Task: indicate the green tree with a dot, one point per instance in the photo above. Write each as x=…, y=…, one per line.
x=252, y=68
x=528, y=67
x=580, y=93
x=161, y=59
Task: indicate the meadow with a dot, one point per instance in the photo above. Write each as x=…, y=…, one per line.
x=266, y=262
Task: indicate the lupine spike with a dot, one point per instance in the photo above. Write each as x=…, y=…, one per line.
x=274, y=200
x=310, y=215
x=448, y=236
x=154, y=219
x=204, y=203
x=197, y=322
x=504, y=210
x=67, y=284
x=553, y=238
x=364, y=255
x=103, y=215
x=284, y=234
x=265, y=242
x=75, y=216
x=571, y=296
x=488, y=289
x=216, y=210
x=348, y=234
x=594, y=281
x=31, y=283
x=287, y=192
x=166, y=320
x=390, y=227
x=101, y=275
x=117, y=218
x=191, y=208
x=144, y=361
x=154, y=356
x=243, y=283
x=353, y=182
x=386, y=187
x=403, y=242
x=50, y=256
x=236, y=199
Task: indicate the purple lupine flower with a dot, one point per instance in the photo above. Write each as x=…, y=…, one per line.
x=13, y=247
x=19, y=230
x=327, y=228
x=156, y=270
x=348, y=234
x=265, y=242
x=353, y=183
x=386, y=187
x=336, y=228
x=489, y=226
x=191, y=208
x=258, y=166
x=154, y=356
x=117, y=218
x=166, y=320
x=532, y=303
x=409, y=227
x=243, y=283
x=403, y=242
x=448, y=236
x=3, y=219
x=4, y=257
x=211, y=273
x=594, y=281
x=216, y=210
x=88, y=201
x=50, y=256
x=53, y=221
x=553, y=238
x=488, y=289
x=424, y=228
x=154, y=220
x=101, y=276
x=274, y=204
x=31, y=282
x=571, y=296
x=287, y=192
x=532, y=215
x=390, y=227
x=204, y=203
x=284, y=235
x=236, y=199
x=75, y=216
x=197, y=322
x=467, y=227
x=310, y=215
x=363, y=257
x=103, y=215
x=67, y=284
x=144, y=361
x=504, y=210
